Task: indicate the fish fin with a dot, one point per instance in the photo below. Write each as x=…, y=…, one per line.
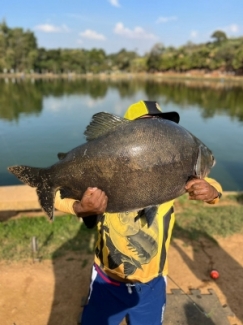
x=129, y=269
x=45, y=194
x=66, y=192
x=61, y=155
x=36, y=177
x=102, y=123
x=27, y=175
x=150, y=214
x=114, y=260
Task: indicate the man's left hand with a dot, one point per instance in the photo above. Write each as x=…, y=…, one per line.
x=199, y=189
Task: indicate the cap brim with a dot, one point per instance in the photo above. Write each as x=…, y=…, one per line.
x=172, y=116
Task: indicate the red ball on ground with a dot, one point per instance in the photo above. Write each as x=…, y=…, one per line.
x=214, y=274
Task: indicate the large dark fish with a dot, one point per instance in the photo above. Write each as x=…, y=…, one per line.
x=139, y=164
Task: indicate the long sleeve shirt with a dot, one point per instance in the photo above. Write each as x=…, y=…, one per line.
x=127, y=247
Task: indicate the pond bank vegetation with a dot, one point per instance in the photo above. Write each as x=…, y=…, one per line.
x=23, y=236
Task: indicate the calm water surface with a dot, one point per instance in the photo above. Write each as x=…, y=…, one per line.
x=39, y=119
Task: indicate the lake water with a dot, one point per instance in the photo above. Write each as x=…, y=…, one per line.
x=38, y=119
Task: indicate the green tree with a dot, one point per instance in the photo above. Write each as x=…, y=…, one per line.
x=219, y=36
x=237, y=62
x=18, y=48
x=96, y=60
x=154, y=58
x=4, y=31
x=138, y=64
x=121, y=60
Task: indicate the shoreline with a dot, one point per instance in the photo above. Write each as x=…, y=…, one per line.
x=213, y=76
x=16, y=200
x=19, y=199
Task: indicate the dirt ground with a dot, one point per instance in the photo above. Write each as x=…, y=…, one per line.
x=51, y=293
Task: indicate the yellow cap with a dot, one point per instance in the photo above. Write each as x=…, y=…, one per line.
x=144, y=107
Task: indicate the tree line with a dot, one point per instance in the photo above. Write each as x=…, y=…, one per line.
x=19, y=52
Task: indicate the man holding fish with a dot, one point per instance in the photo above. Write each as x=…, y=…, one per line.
x=128, y=277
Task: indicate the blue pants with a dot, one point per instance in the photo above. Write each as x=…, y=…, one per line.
x=109, y=301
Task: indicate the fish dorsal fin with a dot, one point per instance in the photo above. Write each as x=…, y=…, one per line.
x=102, y=123
x=61, y=155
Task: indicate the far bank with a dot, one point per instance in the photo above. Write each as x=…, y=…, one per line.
x=194, y=75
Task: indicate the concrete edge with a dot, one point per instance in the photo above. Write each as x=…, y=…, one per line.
x=24, y=198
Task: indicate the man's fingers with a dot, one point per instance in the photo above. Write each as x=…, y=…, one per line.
x=197, y=197
x=90, y=191
x=94, y=193
x=192, y=182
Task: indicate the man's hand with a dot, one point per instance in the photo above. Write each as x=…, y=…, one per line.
x=94, y=201
x=199, y=189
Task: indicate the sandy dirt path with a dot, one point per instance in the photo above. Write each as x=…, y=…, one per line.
x=51, y=293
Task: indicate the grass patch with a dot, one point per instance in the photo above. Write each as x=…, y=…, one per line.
x=195, y=219
x=66, y=233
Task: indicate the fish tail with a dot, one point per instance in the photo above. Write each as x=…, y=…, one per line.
x=39, y=178
x=27, y=175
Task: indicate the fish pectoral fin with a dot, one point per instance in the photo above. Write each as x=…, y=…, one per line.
x=150, y=214
x=102, y=123
x=46, y=198
x=66, y=192
x=61, y=155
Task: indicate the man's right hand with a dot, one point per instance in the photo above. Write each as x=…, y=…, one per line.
x=94, y=201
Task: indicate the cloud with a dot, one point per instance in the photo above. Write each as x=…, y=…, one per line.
x=91, y=34
x=233, y=28
x=48, y=28
x=230, y=29
x=194, y=34
x=114, y=3
x=161, y=20
x=136, y=33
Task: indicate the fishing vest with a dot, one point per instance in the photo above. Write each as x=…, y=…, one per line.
x=127, y=247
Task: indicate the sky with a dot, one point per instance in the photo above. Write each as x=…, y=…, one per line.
x=112, y=25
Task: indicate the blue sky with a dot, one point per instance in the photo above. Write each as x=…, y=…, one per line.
x=116, y=24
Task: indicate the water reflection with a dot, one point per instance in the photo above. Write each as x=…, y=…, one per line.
x=19, y=97
x=24, y=96
x=212, y=99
